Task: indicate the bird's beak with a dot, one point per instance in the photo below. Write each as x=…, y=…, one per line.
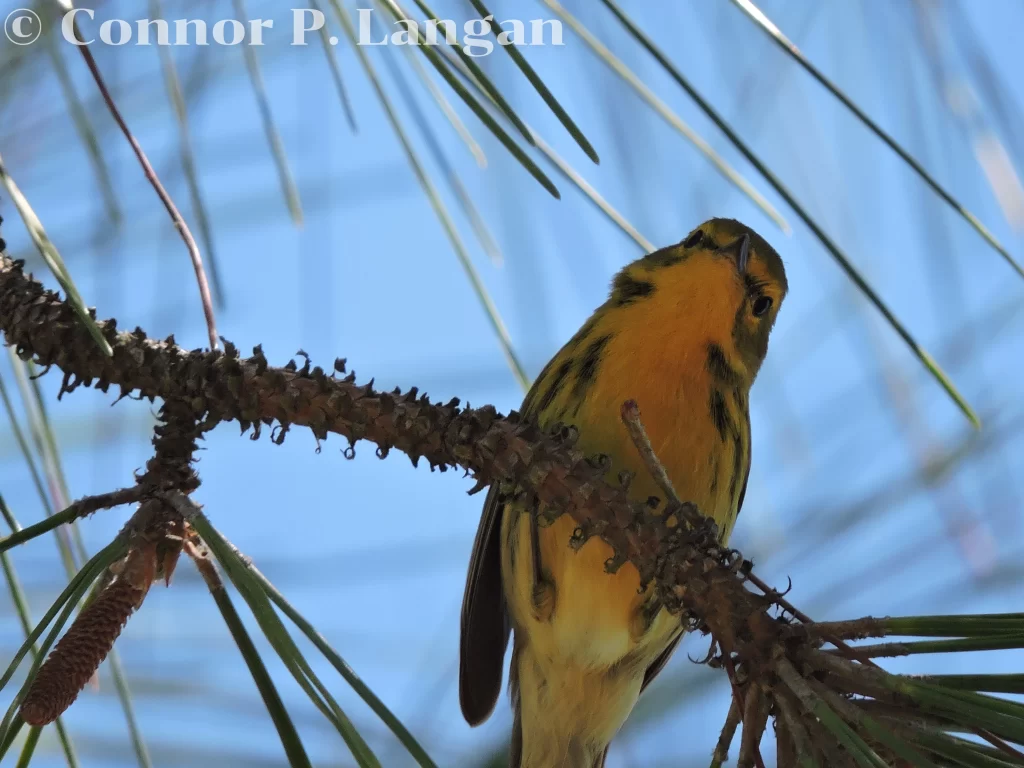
x=739, y=251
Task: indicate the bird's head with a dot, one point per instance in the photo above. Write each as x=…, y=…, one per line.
x=723, y=284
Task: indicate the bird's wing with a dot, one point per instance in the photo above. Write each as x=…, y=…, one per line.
x=485, y=623
x=743, y=490
x=658, y=664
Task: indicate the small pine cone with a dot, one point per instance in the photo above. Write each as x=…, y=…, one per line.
x=78, y=654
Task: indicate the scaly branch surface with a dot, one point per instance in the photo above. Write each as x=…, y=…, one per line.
x=494, y=448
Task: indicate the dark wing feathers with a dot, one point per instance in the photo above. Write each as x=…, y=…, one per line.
x=658, y=664
x=743, y=490
x=485, y=623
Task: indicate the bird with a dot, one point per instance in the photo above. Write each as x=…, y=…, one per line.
x=683, y=333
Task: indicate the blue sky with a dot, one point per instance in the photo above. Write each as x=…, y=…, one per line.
x=373, y=552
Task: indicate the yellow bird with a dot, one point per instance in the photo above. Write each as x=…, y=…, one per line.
x=683, y=332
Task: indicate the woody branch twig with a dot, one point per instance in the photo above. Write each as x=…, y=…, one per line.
x=155, y=535
x=172, y=210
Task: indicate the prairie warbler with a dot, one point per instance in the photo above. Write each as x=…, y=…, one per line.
x=683, y=332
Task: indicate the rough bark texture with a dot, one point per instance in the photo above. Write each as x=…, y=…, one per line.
x=688, y=567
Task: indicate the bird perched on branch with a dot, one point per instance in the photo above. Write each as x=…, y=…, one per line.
x=683, y=333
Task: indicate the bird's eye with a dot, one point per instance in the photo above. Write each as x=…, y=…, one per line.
x=694, y=240
x=761, y=305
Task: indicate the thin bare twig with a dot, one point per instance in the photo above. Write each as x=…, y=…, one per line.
x=635, y=427
x=87, y=505
x=74, y=511
x=204, y=563
x=737, y=697
x=721, y=753
x=998, y=743
x=165, y=198
x=755, y=718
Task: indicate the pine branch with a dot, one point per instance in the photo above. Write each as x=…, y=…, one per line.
x=773, y=657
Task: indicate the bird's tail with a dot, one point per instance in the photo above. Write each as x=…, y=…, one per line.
x=564, y=717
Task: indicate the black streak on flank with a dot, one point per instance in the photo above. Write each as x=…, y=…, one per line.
x=718, y=366
x=628, y=289
x=512, y=540
x=554, y=387
x=589, y=364
x=716, y=406
x=530, y=401
x=741, y=405
x=737, y=466
x=741, y=453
